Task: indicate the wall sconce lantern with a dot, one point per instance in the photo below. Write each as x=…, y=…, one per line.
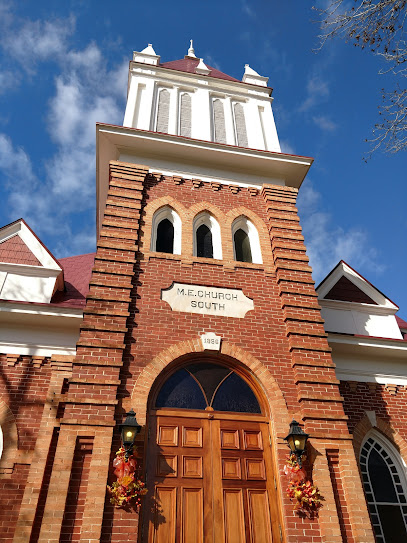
x=129, y=429
x=297, y=440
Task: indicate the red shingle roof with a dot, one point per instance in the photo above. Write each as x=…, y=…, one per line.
x=15, y=251
x=189, y=65
x=77, y=272
x=402, y=323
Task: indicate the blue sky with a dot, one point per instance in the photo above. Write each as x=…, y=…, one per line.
x=63, y=67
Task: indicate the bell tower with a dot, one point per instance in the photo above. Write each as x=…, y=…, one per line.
x=203, y=318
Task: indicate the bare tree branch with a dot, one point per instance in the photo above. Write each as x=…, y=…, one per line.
x=377, y=26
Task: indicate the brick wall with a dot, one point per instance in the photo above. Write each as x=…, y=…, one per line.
x=129, y=335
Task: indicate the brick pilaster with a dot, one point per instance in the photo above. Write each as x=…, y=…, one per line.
x=319, y=400
x=91, y=400
x=29, y=510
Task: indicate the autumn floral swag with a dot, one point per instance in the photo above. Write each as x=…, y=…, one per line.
x=307, y=498
x=127, y=490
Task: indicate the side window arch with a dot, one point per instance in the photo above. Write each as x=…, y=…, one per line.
x=166, y=231
x=246, y=243
x=207, y=237
x=385, y=484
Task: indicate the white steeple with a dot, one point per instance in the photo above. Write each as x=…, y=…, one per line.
x=191, y=52
x=254, y=78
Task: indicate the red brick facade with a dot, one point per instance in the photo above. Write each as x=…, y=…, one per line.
x=60, y=416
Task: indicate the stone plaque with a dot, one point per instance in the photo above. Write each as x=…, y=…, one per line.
x=211, y=341
x=223, y=302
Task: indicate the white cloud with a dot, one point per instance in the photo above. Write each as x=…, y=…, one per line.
x=86, y=91
x=37, y=40
x=14, y=162
x=247, y=9
x=328, y=243
x=324, y=123
x=317, y=91
x=286, y=147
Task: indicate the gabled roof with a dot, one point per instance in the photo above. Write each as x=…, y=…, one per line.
x=344, y=284
x=189, y=65
x=20, y=245
x=14, y=251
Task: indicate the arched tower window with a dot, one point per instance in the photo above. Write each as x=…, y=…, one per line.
x=166, y=231
x=240, y=125
x=384, y=483
x=204, y=385
x=163, y=111
x=246, y=243
x=185, y=115
x=219, y=127
x=207, y=239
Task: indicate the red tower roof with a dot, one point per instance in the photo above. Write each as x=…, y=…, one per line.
x=189, y=64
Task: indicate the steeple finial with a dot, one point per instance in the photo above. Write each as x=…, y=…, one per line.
x=191, y=52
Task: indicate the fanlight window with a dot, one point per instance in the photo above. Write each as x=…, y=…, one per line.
x=204, y=385
x=207, y=240
x=166, y=231
x=246, y=243
x=383, y=482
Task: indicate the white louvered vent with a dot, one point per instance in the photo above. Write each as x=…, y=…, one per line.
x=240, y=124
x=219, y=121
x=163, y=111
x=185, y=117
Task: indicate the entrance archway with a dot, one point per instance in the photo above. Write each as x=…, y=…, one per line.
x=209, y=465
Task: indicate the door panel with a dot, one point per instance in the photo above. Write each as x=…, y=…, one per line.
x=212, y=478
x=192, y=515
x=234, y=516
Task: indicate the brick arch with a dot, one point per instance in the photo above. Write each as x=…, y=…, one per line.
x=271, y=390
x=264, y=236
x=154, y=206
x=365, y=425
x=10, y=438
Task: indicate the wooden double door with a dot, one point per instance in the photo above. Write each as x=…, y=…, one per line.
x=210, y=479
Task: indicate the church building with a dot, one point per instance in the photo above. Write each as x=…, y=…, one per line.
x=191, y=365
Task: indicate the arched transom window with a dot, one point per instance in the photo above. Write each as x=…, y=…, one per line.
x=204, y=385
x=384, y=485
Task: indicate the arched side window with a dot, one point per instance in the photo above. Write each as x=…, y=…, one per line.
x=207, y=239
x=163, y=111
x=240, y=125
x=166, y=231
x=219, y=126
x=384, y=482
x=185, y=115
x=246, y=244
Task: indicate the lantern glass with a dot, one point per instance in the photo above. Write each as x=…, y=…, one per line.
x=128, y=435
x=129, y=429
x=297, y=438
